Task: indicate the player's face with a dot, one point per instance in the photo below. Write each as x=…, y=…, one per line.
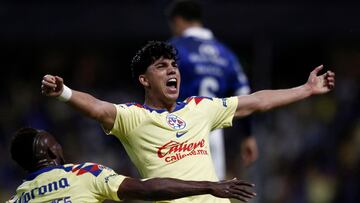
x=49, y=142
x=163, y=80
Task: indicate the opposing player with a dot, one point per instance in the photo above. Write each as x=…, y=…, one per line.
x=208, y=68
x=51, y=180
x=165, y=138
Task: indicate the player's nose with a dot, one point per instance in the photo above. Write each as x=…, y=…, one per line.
x=171, y=70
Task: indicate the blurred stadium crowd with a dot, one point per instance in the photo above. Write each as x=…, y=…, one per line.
x=309, y=152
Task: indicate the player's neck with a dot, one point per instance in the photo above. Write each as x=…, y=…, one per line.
x=158, y=104
x=189, y=24
x=43, y=164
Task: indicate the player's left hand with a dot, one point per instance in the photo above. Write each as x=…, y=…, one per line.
x=249, y=151
x=321, y=84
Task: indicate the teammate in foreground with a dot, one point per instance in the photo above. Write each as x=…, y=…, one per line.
x=210, y=69
x=165, y=138
x=50, y=179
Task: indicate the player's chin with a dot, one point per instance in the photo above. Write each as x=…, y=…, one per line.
x=172, y=96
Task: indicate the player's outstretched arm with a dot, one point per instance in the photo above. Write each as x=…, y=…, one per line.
x=169, y=188
x=102, y=111
x=268, y=99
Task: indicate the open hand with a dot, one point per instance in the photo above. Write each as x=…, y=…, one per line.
x=321, y=84
x=234, y=188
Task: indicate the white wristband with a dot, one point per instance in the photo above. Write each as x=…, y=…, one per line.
x=65, y=94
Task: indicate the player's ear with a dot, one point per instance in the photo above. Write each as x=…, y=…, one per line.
x=143, y=80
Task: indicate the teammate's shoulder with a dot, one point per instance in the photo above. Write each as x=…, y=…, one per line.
x=98, y=165
x=89, y=168
x=84, y=164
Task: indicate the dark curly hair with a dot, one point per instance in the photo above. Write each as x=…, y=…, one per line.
x=147, y=55
x=21, y=148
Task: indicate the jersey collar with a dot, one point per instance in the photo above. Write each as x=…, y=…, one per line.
x=198, y=32
x=179, y=105
x=33, y=175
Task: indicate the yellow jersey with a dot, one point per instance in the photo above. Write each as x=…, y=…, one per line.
x=80, y=183
x=174, y=144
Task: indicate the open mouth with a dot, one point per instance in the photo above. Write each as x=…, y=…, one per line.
x=172, y=83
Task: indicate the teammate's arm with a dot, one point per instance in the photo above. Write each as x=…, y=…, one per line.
x=102, y=111
x=268, y=99
x=169, y=188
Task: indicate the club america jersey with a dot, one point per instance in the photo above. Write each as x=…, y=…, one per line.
x=163, y=144
x=208, y=68
x=81, y=183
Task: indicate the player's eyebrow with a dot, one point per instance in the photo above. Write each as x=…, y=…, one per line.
x=160, y=63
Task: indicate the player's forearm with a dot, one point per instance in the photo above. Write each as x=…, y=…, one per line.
x=86, y=104
x=171, y=189
x=163, y=189
x=269, y=99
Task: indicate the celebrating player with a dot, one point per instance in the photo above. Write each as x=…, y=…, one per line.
x=165, y=138
x=49, y=179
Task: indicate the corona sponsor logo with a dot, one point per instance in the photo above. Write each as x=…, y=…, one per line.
x=174, y=151
x=44, y=189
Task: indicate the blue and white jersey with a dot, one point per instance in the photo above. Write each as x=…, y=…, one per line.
x=208, y=68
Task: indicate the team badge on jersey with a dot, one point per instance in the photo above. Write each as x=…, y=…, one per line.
x=175, y=122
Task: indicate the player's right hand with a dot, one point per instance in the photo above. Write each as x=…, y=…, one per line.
x=52, y=86
x=234, y=188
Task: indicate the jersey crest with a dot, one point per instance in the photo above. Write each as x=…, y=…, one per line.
x=175, y=122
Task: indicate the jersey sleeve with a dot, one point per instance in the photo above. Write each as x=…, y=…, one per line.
x=221, y=111
x=125, y=120
x=107, y=183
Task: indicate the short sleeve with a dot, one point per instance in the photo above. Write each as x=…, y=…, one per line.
x=126, y=119
x=222, y=111
x=107, y=183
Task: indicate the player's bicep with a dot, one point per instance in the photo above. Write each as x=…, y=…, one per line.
x=247, y=104
x=107, y=115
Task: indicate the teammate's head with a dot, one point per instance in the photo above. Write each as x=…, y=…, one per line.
x=182, y=14
x=33, y=149
x=148, y=54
